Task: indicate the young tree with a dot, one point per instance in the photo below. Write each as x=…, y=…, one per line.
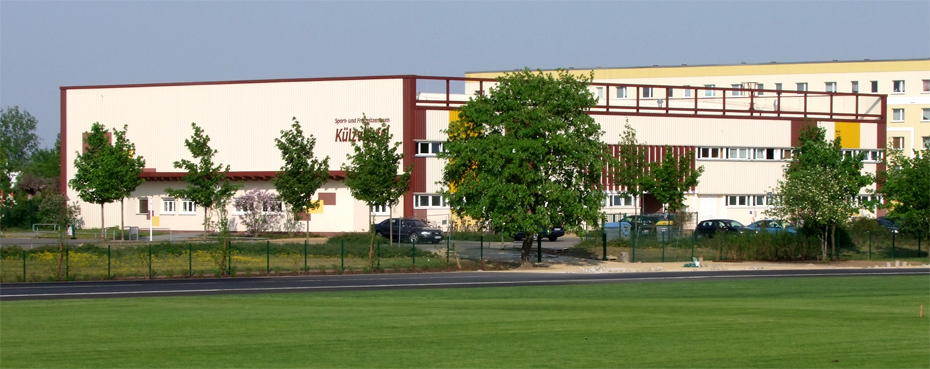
x=632, y=169
x=671, y=177
x=302, y=173
x=527, y=155
x=127, y=168
x=371, y=172
x=208, y=184
x=55, y=209
x=821, y=186
x=260, y=209
x=905, y=184
x=97, y=176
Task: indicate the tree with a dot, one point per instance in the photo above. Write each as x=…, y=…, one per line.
x=527, y=155
x=821, y=186
x=905, y=185
x=43, y=170
x=632, y=169
x=208, y=184
x=97, y=173
x=371, y=172
x=302, y=173
x=260, y=209
x=671, y=177
x=17, y=138
x=127, y=168
x=55, y=209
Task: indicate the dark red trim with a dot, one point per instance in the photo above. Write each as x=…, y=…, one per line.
x=63, y=181
x=409, y=94
x=236, y=82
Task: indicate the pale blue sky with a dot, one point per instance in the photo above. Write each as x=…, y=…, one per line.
x=45, y=45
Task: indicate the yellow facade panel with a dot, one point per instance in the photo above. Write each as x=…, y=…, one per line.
x=849, y=134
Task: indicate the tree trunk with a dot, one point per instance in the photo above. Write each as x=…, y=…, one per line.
x=833, y=239
x=206, y=217
x=61, y=254
x=527, y=248
x=371, y=246
x=103, y=229
x=823, y=244
x=122, y=219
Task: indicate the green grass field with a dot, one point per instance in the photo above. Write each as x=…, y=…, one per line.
x=798, y=322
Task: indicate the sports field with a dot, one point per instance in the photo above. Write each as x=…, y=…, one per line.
x=833, y=322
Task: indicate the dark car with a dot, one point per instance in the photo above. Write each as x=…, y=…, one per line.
x=888, y=223
x=552, y=233
x=413, y=230
x=646, y=224
x=772, y=226
x=710, y=227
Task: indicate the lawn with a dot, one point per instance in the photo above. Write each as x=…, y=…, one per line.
x=835, y=322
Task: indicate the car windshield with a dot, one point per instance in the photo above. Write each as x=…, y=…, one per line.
x=732, y=223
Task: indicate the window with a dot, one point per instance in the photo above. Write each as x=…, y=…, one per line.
x=647, y=92
x=855, y=87
x=188, y=207
x=802, y=86
x=897, y=115
x=764, y=154
x=926, y=85
x=874, y=87
x=709, y=93
x=167, y=205
x=621, y=92
x=600, y=92
x=926, y=141
x=737, y=200
x=428, y=201
x=709, y=153
x=760, y=200
x=787, y=154
x=830, y=87
x=925, y=117
x=619, y=200
x=897, y=87
x=427, y=148
x=669, y=92
x=760, y=87
x=143, y=205
x=274, y=207
x=778, y=86
x=737, y=89
x=870, y=155
x=688, y=92
x=737, y=153
x=897, y=143
x=379, y=210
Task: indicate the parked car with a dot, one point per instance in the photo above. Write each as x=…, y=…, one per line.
x=889, y=224
x=772, y=226
x=413, y=230
x=646, y=224
x=710, y=227
x=552, y=233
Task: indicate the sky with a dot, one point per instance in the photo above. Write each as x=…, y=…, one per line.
x=45, y=45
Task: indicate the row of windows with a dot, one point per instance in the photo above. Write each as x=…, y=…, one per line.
x=897, y=86
x=897, y=115
x=169, y=206
x=743, y=153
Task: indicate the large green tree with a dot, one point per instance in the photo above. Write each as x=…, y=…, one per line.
x=372, y=171
x=302, y=173
x=97, y=173
x=127, y=169
x=527, y=155
x=208, y=184
x=821, y=186
x=905, y=185
x=17, y=142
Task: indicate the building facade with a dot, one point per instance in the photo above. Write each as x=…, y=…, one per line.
x=743, y=139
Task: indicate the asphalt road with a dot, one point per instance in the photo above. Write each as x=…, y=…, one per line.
x=186, y=287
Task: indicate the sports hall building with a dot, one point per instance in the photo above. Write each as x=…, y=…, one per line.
x=742, y=135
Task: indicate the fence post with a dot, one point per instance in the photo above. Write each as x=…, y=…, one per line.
x=190, y=259
x=603, y=240
x=539, y=248
x=870, y=245
x=447, y=249
x=150, y=262
x=378, y=253
x=413, y=251
x=67, y=261
x=305, y=257
x=267, y=256
x=342, y=256
x=24, y=265
x=108, y=261
x=892, y=244
x=481, y=245
x=663, y=252
x=692, y=247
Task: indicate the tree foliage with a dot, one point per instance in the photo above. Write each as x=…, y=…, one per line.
x=527, y=155
x=905, y=185
x=821, y=186
x=372, y=170
x=208, y=184
x=106, y=172
x=17, y=138
x=260, y=211
x=302, y=173
x=671, y=177
x=43, y=171
x=55, y=209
